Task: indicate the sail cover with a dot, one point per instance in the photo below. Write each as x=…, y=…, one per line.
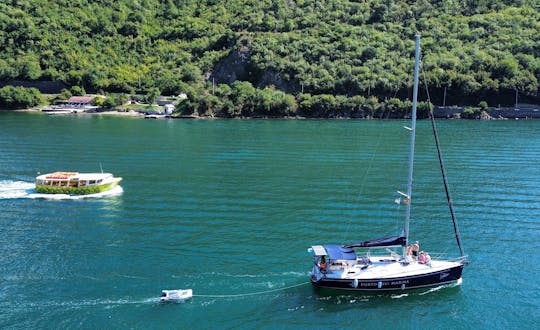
x=386, y=241
x=337, y=252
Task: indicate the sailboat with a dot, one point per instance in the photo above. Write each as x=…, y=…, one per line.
x=362, y=267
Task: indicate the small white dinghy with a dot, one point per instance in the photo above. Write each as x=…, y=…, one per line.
x=176, y=295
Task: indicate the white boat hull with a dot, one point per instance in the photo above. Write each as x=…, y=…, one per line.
x=387, y=275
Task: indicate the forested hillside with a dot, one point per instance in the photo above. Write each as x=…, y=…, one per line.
x=284, y=54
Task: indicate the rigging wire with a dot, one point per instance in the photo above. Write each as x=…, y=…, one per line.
x=362, y=184
x=248, y=294
x=441, y=164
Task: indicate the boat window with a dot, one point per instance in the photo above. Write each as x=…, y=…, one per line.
x=82, y=183
x=92, y=182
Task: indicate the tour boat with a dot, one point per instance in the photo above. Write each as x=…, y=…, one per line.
x=374, y=265
x=74, y=183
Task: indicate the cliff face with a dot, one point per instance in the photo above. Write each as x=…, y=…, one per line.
x=238, y=66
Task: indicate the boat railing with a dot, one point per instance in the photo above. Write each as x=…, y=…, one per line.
x=393, y=254
x=363, y=260
x=464, y=260
x=447, y=257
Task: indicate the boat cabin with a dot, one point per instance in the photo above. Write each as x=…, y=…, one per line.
x=71, y=179
x=334, y=257
x=328, y=258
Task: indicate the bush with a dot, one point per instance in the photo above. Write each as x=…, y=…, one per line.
x=78, y=91
x=471, y=113
x=110, y=102
x=64, y=94
x=19, y=97
x=483, y=105
x=152, y=95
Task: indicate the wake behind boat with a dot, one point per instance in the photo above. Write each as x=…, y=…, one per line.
x=75, y=183
x=377, y=267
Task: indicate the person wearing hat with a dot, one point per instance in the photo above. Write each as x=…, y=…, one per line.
x=414, y=248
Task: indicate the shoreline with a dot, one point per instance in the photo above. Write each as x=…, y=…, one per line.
x=439, y=112
x=130, y=113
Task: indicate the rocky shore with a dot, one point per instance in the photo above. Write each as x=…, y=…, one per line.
x=522, y=111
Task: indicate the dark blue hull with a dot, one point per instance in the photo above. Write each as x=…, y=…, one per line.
x=447, y=276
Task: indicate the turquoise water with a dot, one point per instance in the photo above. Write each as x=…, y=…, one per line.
x=229, y=207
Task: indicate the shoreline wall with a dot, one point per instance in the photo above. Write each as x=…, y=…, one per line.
x=44, y=86
x=521, y=111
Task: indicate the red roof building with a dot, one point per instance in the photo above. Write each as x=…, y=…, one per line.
x=80, y=100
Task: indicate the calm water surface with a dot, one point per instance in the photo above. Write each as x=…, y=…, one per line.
x=229, y=207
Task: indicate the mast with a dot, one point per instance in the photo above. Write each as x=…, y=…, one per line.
x=411, y=152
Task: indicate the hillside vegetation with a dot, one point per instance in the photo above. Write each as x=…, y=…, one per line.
x=278, y=57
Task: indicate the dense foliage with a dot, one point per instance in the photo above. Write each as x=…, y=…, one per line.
x=306, y=57
x=19, y=97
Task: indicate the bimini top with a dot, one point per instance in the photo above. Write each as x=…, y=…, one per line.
x=334, y=252
x=58, y=175
x=380, y=242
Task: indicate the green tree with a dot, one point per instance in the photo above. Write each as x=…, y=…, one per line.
x=7, y=71
x=30, y=69
x=324, y=105
x=483, y=105
x=152, y=95
x=64, y=94
x=185, y=107
x=244, y=98
x=98, y=101
x=304, y=104
x=109, y=102
x=77, y=91
x=19, y=97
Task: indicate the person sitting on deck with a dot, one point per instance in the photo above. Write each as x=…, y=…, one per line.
x=413, y=249
x=322, y=264
x=422, y=258
x=428, y=259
